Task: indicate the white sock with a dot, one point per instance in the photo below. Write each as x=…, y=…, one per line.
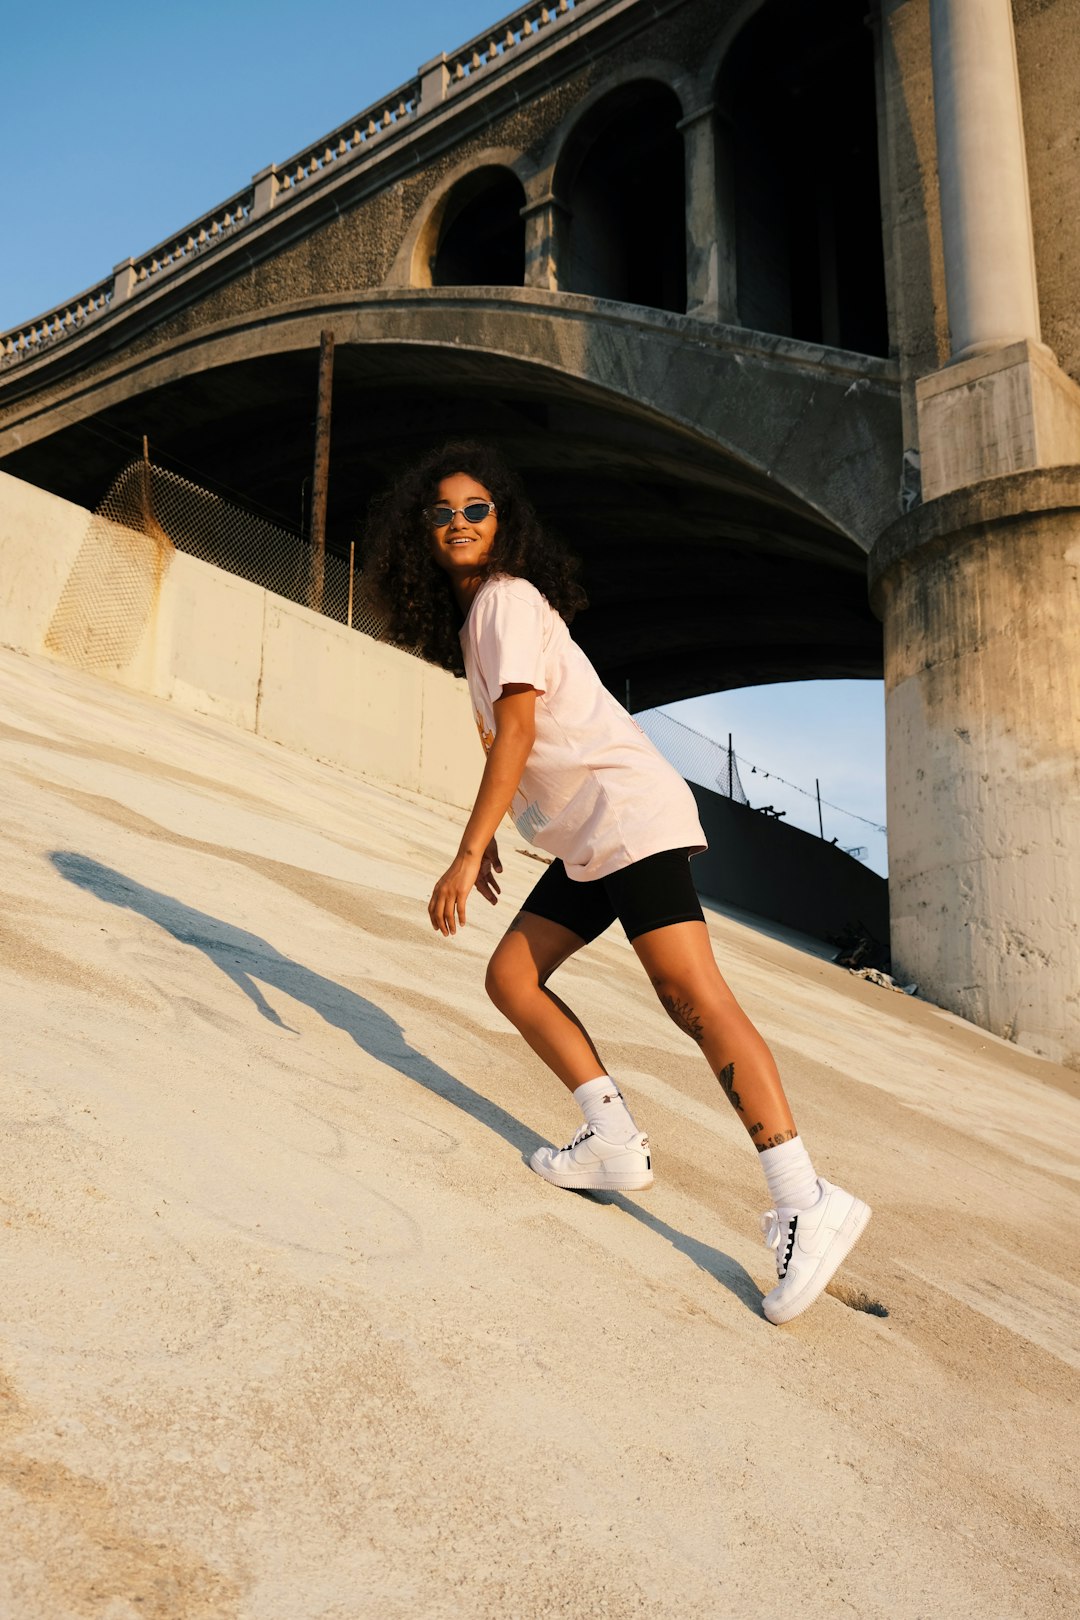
x=602, y=1104
x=791, y=1178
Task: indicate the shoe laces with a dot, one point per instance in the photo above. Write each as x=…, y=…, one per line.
x=579, y=1136
x=773, y=1228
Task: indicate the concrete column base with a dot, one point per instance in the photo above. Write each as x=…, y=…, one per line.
x=980, y=597
x=1008, y=410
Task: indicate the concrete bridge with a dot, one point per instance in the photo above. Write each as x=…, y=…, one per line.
x=609, y=358
x=751, y=293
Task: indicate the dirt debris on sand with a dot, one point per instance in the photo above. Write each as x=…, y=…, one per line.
x=288, y=1331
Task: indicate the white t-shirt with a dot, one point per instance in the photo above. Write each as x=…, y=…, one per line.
x=594, y=791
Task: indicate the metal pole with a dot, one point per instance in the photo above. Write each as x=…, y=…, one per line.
x=817, y=790
x=147, y=505
x=730, y=767
x=352, y=559
x=321, y=473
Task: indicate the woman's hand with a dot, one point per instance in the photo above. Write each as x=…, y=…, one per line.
x=485, y=882
x=447, y=905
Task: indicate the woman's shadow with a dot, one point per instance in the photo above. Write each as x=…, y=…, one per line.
x=247, y=961
x=244, y=958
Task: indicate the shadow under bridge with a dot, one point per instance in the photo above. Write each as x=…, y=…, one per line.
x=722, y=487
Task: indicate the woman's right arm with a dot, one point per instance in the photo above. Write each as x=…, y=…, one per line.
x=515, y=732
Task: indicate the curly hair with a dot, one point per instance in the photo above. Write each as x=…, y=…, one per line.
x=405, y=585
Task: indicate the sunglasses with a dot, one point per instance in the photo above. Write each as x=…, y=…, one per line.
x=474, y=512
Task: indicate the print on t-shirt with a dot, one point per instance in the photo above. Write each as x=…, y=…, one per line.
x=486, y=737
x=530, y=821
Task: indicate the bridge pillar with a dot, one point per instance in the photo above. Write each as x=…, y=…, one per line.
x=978, y=592
x=710, y=221
x=982, y=170
x=1002, y=404
x=980, y=596
x=545, y=232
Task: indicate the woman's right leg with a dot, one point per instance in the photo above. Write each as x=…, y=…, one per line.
x=608, y=1152
x=525, y=958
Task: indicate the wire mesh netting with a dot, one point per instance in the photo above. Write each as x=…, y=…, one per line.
x=698, y=758
x=109, y=591
x=280, y=560
x=215, y=530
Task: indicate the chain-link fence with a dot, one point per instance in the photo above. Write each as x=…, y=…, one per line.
x=697, y=758
x=112, y=589
x=149, y=513
x=207, y=526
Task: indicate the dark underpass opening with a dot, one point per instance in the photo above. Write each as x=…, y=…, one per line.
x=622, y=182
x=482, y=239
x=797, y=132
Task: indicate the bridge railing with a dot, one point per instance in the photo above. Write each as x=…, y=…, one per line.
x=420, y=96
x=23, y=341
x=346, y=142
x=189, y=244
x=518, y=31
x=129, y=278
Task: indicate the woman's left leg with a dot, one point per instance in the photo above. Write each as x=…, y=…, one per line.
x=814, y=1224
x=680, y=962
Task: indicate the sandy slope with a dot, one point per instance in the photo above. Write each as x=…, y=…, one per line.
x=289, y=1332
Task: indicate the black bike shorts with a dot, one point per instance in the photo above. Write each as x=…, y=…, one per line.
x=653, y=893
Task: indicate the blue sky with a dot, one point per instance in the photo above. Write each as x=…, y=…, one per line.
x=123, y=121
x=833, y=731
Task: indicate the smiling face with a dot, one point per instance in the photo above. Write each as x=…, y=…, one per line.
x=459, y=547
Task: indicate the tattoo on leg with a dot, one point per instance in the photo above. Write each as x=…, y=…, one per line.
x=683, y=1014
x=775, y=1141
x=726, y=1078
x=754, y=1129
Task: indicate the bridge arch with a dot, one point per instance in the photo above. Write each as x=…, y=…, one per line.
x=482, y=239
x=642, y=434
x=619, y=178
x=558, y=158
x=450, y=226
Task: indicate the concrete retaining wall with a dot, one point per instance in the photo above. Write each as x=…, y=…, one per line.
x=220, y=646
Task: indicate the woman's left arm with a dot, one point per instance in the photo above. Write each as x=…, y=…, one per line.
x=515, y=731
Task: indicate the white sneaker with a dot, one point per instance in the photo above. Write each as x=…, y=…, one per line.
x=592, y=1162
x=810, y=1245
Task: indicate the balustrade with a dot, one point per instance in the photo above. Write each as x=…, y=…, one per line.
x=347, y=141
x=37, y=335
x=520, y=28
x=193, y=240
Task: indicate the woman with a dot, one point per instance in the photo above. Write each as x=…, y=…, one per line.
x=468, y=579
